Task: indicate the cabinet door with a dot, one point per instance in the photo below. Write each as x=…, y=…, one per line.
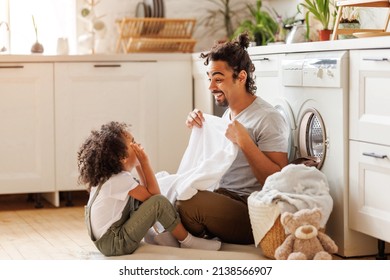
x=174, y=104
x=369, y=190
x=267, y=77
x=370, y=96
x=26, y=125
x=88, y=95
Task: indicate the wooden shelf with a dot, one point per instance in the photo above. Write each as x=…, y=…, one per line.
x=155, y=35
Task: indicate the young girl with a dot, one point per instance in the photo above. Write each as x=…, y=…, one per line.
x=121, y=209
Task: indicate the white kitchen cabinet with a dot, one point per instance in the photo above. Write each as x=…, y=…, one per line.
x=175, y=101
x=267, y=76
x=154, y=97
x=369, y=209
x=370, y=189
x=88, y=95
x=370, y=96
x=27, y=128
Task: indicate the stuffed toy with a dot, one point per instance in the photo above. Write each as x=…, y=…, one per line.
x=304, y=241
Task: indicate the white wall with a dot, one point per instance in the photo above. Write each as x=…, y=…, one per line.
x=197, y=9
x=114, y=9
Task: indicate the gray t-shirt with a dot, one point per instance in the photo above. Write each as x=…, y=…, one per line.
x=269, y=130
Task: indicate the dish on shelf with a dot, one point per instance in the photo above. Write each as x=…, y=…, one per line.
x=155, y=8
x=152, y=7
x=142, y=10
x=370, y=34
x=162, y=8
x=156, y=5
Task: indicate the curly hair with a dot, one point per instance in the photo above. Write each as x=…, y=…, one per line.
x=99, y=157
x=235, y=54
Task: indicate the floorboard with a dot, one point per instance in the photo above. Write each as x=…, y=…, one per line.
x=59, y=233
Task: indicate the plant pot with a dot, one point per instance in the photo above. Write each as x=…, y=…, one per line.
x=348, y=25
x=324, y=34
x=37, y=48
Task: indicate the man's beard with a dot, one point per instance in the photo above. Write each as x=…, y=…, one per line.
x=224, y=103
x=220, y=102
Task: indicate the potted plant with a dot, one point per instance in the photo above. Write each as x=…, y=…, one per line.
x=321, y=11
x=36, y=47
x=262, y=26
x=222, y=15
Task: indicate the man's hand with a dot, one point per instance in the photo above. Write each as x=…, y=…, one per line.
x=237, y=133
x=195, y=118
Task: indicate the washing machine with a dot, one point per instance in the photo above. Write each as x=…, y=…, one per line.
x=315, y=90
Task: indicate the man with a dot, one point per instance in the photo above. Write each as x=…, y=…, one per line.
x=260, y=132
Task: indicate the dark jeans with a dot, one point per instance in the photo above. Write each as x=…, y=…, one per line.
x=221, y=214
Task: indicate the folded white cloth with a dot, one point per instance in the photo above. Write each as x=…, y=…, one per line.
x=208, y=156
x=294, y=188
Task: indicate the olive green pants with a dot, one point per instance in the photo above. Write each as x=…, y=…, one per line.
x=124, y=236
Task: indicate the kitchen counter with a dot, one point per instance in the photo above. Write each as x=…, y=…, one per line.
x=138, y=57
x=348, y=44
x=359, y=43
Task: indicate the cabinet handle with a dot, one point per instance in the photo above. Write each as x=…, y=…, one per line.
x=11, y=66
x=262, y=59
x=376, y=59
x=374, y=155
x=107, y=65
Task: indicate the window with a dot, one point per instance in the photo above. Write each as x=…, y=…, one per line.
x=54, y=19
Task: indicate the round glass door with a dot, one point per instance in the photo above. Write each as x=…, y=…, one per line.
x=312, y=136
x=288, y=117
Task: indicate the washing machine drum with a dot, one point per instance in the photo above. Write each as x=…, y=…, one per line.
x=312, y=141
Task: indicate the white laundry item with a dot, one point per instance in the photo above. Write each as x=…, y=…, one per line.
x=295, y=187
x=262, y=217
x=208, y=156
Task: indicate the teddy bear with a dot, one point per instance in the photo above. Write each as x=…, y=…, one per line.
x=304, y=240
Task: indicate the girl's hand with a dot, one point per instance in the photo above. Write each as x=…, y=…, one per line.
x=140, y=153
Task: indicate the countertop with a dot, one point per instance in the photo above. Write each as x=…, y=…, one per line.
x=347, y=44
x=134, y=57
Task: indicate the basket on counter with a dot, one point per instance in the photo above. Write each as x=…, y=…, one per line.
x=155, y=35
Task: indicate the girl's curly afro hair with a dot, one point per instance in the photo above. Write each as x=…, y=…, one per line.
x=99, y=157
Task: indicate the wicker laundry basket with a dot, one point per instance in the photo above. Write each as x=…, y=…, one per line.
x=276, y=235
x=273, y=239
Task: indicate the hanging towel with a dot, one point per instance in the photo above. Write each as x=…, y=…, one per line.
x=208, y=156
x=295, y=187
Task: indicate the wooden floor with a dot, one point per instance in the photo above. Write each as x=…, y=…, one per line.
x=47, y=233
x=44, y=233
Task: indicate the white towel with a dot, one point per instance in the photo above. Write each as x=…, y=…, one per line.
x=208, y=156
x=295, y=187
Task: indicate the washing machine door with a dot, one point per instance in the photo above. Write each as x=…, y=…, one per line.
x=285, y=110
x=312, y=141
